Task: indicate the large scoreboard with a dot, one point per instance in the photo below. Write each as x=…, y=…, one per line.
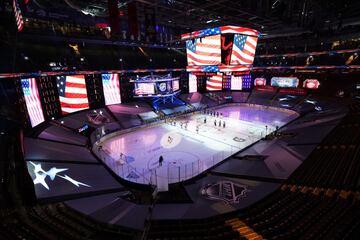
x=219, y=53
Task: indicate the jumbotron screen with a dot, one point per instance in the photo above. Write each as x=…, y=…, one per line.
x=204, y=51
x=72, y=93
x=243, y=50
x=32, y=101
x=214, y=83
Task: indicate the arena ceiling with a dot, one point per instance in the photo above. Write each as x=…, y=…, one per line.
x=267, y=16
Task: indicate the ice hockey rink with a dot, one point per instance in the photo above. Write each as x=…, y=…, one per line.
x=188, y=144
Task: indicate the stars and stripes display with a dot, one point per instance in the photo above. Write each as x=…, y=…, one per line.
x=32, y=101
x=144, y=89
x=18, y=16
x=192, y=83
x=204, y=51
x=243, y=51
x=111, y=88
x=221, y=68
x=72, y=93
x=236, y=82
x=214, y=83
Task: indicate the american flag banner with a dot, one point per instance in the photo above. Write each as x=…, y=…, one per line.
x=204, y=51
x=244, y=48
x=214, y=83
x=111, y=88
x=18, y=16
x=221, y=68
x=72, y=93
x=32, y=101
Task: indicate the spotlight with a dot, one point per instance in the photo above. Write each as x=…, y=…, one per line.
x=62, y=122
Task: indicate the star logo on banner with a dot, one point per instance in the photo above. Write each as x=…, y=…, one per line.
x=41, y=174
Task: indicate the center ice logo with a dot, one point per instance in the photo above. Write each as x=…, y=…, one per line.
x=226, y=191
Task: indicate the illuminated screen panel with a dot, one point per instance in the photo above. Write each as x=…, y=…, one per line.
x=214, y=83
x=175, y=85
x=236, y=82
x=72, y=93
x=111, y=88
x=246, y=81
x=163, y=87
x=311, y=84
x=144, y=89
x=260, y=82
x=192, y=83
x=244, y=48
x=285, y=82
x=204, y=51
x=32, y=101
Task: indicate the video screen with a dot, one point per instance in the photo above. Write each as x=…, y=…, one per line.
x=111, y=87
x=214, y=83
x=32, y=101
x=311, y=84
x=163, y=87
x=144, y=88
x=192, y=83
x=175, y=85
x=72, y=93
x=204, y=51
x=285, y=82
x=236, y=82
x=260, y=82
x=246, y=81
x=243, y=50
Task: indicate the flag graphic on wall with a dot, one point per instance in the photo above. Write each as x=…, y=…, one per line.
x=236, y=82
x=192, y=83
x=214, y=83
x=72, y=93
x=18, y=16
x=111, y=88
x=244, y=48
x=204, y=51
x=32, y=101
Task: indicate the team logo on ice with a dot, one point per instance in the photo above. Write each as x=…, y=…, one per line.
x=226, y=191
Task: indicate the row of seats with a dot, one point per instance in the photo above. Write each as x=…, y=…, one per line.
x=335, y=162
x=56, y=221
x=302, y=213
